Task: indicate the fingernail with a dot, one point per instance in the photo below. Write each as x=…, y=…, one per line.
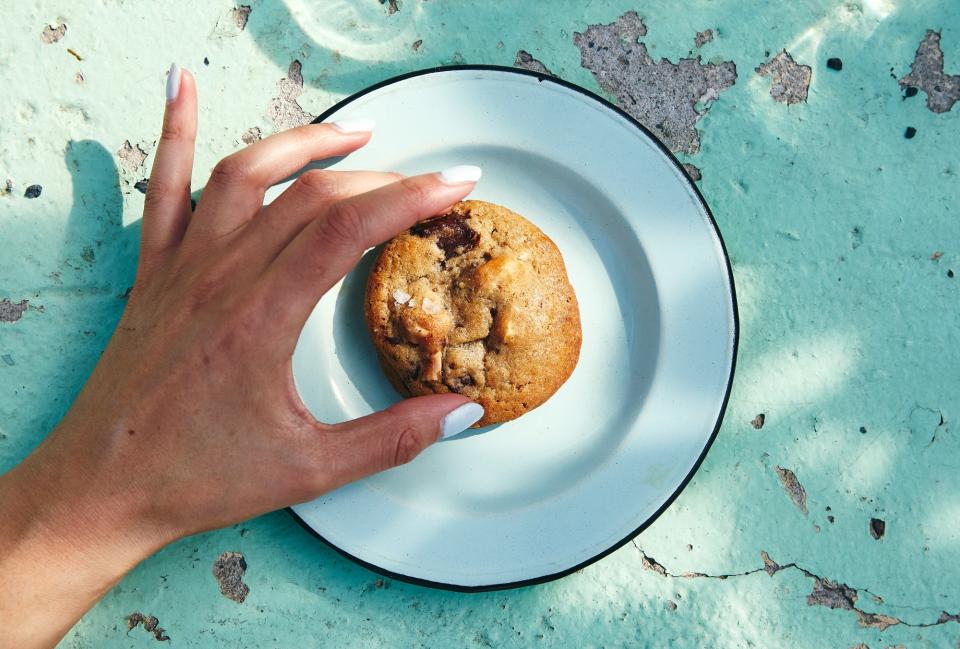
x=461, y=174
x=173, y=83
x=356, y=125
x=460, y=419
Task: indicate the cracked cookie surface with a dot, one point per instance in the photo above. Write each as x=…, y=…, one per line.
x=475, y=301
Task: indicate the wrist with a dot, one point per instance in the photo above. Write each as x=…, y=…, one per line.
x=80, y=512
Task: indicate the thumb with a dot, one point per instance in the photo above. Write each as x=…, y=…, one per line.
x=398, y=434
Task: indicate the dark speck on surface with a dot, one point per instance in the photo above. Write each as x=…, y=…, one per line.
x=141, y=185
x=206, y=61
x=758, y=421
x=863, y=430
x=835, y=64
x=950, y=274
x=877, y=528
x=33, y=191
x=910, y=132
x=911, y=91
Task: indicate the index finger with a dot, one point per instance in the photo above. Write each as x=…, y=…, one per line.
x=333, y=243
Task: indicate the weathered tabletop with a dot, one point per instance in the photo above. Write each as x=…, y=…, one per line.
x=827, y=513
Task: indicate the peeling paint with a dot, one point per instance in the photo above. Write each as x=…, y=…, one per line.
x=790, y=80
x=131, y=156
x=231, y=22
x=793, y=487
x=150, y=624
x=526, y=61
x=251, y=135
x=693, y=171
x=702, y=38
x=758, y=421
x=392, y=6
x=12, y=311
x=228, y=570
x=926, y=73
x=663, y=96
x=51, y=34
x=283, y=109
x=241, y=15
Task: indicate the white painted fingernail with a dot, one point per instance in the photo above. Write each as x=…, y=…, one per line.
x=461, y=174
x=356, y=125
x=460, y=419
x=173, y=83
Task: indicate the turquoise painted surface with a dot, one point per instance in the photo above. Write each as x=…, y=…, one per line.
x=830, y=215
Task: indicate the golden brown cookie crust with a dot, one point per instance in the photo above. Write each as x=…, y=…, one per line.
x=477, y=302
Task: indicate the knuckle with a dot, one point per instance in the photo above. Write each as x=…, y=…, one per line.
x=314, y=182
x=231, y=170
x=158, y=192
x=414, y=193
x=407, y=445
x=171, y=131
x=344, y=225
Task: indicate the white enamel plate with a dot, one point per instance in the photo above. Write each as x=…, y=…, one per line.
x=564, y=485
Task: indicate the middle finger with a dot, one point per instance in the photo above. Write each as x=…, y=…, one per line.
x=235, y=191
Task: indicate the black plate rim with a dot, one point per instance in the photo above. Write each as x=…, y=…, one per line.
x=543, y=78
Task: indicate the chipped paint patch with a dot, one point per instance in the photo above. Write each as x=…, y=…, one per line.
x=526, y=61
x=284, y=109
x=663, y=96
x=693, y=171
x=790, y=80
x=241, y=15
x=926, y=73
x=251, y=135
x=702, y=38
x=12, y=311
x=231, y=22
x=150, y=624
x=228, y=570
x=51, y=34
x=131, y=156
x=793, y=487
x=392, y=6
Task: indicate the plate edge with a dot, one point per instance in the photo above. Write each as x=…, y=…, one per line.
x=734, y=348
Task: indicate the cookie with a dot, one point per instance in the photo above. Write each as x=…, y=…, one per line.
x=475, y=301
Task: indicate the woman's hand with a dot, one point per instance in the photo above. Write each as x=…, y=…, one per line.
x=191, y=420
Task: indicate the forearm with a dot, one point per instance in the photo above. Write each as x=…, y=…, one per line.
x=63, y=544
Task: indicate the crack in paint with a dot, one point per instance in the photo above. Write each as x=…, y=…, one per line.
x=825, y=592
